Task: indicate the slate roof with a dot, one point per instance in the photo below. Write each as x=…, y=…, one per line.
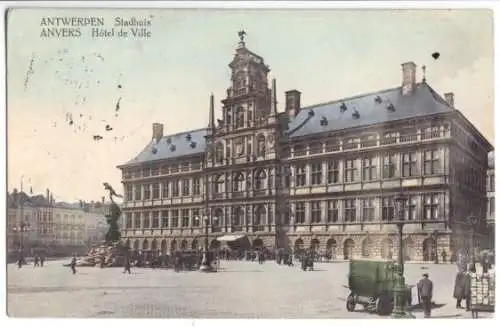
x=372, y=108
x=173, y=146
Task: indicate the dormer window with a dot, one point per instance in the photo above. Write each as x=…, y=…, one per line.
x=355, y=114
x=390, y=107
x=310, y=113
x=343, y=107
x=188, y=137
x=169, y=140
x=323, y=121
x=192, y=144
x=378, y=99
x=172, y=147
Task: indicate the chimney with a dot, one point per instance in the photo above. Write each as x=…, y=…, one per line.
x=292, y=102
x=157, y=131
x=211, y=115
x=409, y=76
x=450, y=98
x=47, y=193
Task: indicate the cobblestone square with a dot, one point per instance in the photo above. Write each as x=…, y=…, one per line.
x=238, y=290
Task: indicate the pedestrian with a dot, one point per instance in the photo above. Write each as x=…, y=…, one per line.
x=35, y=261
x=42, y=259
x=444, y=255
x=425, y=289
x=20, y=261
x=73, y=264
x=127, y=265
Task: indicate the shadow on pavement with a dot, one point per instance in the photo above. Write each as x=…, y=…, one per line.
x=419, y=308
x=447, y=316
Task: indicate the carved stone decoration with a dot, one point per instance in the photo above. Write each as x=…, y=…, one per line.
x=270, y=141
x=239, y=147
x=261, y=145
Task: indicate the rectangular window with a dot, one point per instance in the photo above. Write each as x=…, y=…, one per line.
x=369, y=169
x=411, y=208
x=128, y=192
x=146, y=172
x=145, y=220
x=369, y=209
x=286, y=177
x=350, y=210
x=164, y=170
x=300, y=175
x=164, y=191
x=350, y=171
x=431, y=207
x=174, y=169
x=164, y=218
x=300, y=213
x=147, y=191
x=137, y=191
x=409, y=164
x=185, y=187
x=155, y=171
x=299, y=150
x=431, y=162
x=196, y=217
x=492, y=183
x=333, y=172
x=185, y=166
x=137, y=220
x=175, y=188
x=185, y=217
x=156, y=219
x=129, y=220
x=387, y=208
x=196, y=186
x=156, y=190
x=315, y=148
x=175, y=218
x=333, y=211
x=316, y=212
x=316, y=173
x=389, y=166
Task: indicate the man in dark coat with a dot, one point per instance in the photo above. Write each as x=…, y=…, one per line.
x=425, y=289
x=73, y=264
x=462, y=289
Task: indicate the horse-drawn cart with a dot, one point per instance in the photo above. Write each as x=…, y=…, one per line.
x=372, y=284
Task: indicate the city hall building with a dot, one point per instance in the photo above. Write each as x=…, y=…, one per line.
x=322, y=176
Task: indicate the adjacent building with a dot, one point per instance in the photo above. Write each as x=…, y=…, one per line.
x=322, y=176
x=490, y=210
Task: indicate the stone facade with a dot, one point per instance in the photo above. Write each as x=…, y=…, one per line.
x=324, y=176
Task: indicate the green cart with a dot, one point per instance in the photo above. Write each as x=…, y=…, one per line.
x=372, y=283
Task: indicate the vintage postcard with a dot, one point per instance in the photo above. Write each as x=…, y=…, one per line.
x=230, y=163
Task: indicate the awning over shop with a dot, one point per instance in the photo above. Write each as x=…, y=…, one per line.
x=229, y=238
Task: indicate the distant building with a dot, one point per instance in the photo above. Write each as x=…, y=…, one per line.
x=323, y=176
x=490, y=189
x=29, y=221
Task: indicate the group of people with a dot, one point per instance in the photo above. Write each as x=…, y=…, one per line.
x=38, y=260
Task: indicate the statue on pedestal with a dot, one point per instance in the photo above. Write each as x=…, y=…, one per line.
x=113, y=235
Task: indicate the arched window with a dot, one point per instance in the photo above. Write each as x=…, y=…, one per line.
x=219, y=153
x=260, y=179
x=238, y=182
x=217, y=218
x=261, y=145
x=260, y=215
x=240, y=118
x=238, y=215
x=219, y=184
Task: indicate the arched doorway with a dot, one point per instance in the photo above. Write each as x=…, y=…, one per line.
x=194, y=244
x=408, y=249
x=428, y=249
x=348, y=249
x=257, y=243
x=299, y=244
x=184, y=244
x=331, y=246
x=386, y=248
x=153, y=245
x=366, y=247
x=173, y=245
x=163, y=246
x=315, y=244
x=136, y=245
x=145, y=245
x=214, y=244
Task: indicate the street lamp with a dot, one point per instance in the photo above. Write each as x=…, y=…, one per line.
x=473, y=222
x=435, y=235
x=400, y=285
x=206, y=261
x=23, y=227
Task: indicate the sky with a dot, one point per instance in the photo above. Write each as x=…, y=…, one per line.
x=168, y=77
